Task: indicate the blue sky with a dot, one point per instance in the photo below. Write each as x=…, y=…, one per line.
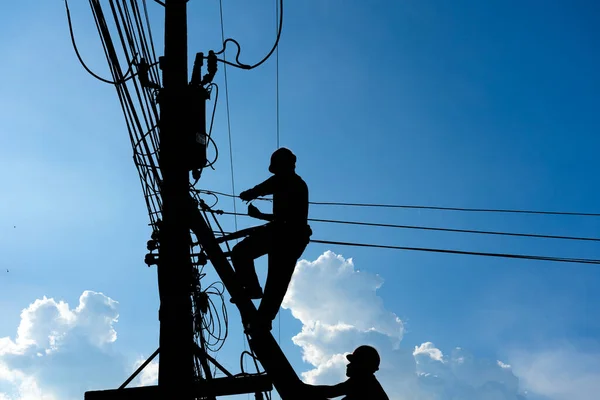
x=463, y=104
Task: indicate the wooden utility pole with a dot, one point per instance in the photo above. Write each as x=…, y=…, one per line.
x=181, y=149
x=176, y=363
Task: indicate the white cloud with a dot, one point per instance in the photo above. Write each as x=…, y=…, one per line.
x=59, y=352
x=22, y=387
x=427, y=349
x=329, y=291
x=148, y=376
x=340, y=310
x=562, y=373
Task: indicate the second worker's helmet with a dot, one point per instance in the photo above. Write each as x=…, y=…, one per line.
x=282, y=159
x=365, y=357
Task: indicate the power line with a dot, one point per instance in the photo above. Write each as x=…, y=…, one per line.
x=277, y=76
x=228, y=117
x=458, y=252
x=239, y=64
x=427, y=228
x=461, y=252
x=490, y=210
x=125, y=78
x=530, y=235
x=242, y=362
x=139, y=104
x=277, y=122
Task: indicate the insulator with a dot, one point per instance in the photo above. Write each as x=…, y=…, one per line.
x=197, y=69
x=152, y=245
x=151, y=259
x=212, y=63
x=196, y=174
x=211, y=68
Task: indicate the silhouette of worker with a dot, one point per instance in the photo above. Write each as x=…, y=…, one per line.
x=361, y=383
x=284, y=238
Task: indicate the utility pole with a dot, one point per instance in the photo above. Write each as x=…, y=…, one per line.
x=181, y=149
x=176, y=363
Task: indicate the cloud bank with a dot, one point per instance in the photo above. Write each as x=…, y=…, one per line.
x=59, y=352
x=339, y=309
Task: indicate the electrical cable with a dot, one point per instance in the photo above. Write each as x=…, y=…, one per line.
x=142, y=138
x=228, y=116
x=139, y=105
x=152, y=47
x=216, y=329
x=460, y=252
x=145, y=161
x=374, y=224
x=268, y=395
x=490, y=210
x=237, y=56
x=472, y=253
x=213, y=161
x=212, y=120
x=83, y=64
x=277, y=78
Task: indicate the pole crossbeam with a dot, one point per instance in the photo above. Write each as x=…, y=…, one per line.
x=215, y=387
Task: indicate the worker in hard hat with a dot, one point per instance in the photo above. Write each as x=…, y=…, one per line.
x=284, y=238
x=361, y=382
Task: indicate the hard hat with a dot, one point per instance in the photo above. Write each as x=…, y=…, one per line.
x=282, y=157
x=366, y=357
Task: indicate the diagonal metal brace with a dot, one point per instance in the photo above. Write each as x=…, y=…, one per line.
x=270, y=355
x=141, y=367
x=203, y=353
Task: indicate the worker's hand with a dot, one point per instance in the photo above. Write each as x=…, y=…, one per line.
x=253, y=211
x=246, y=195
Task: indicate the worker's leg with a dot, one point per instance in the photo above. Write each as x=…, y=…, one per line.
x=243, y=255
x=279, y=276
x=282, y=262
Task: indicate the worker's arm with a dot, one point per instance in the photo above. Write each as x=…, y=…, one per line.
x=255, y=213
x=328, y=391
x=262, y=189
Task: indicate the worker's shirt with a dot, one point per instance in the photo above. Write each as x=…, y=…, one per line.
x=290, y=198
x=363, y=388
